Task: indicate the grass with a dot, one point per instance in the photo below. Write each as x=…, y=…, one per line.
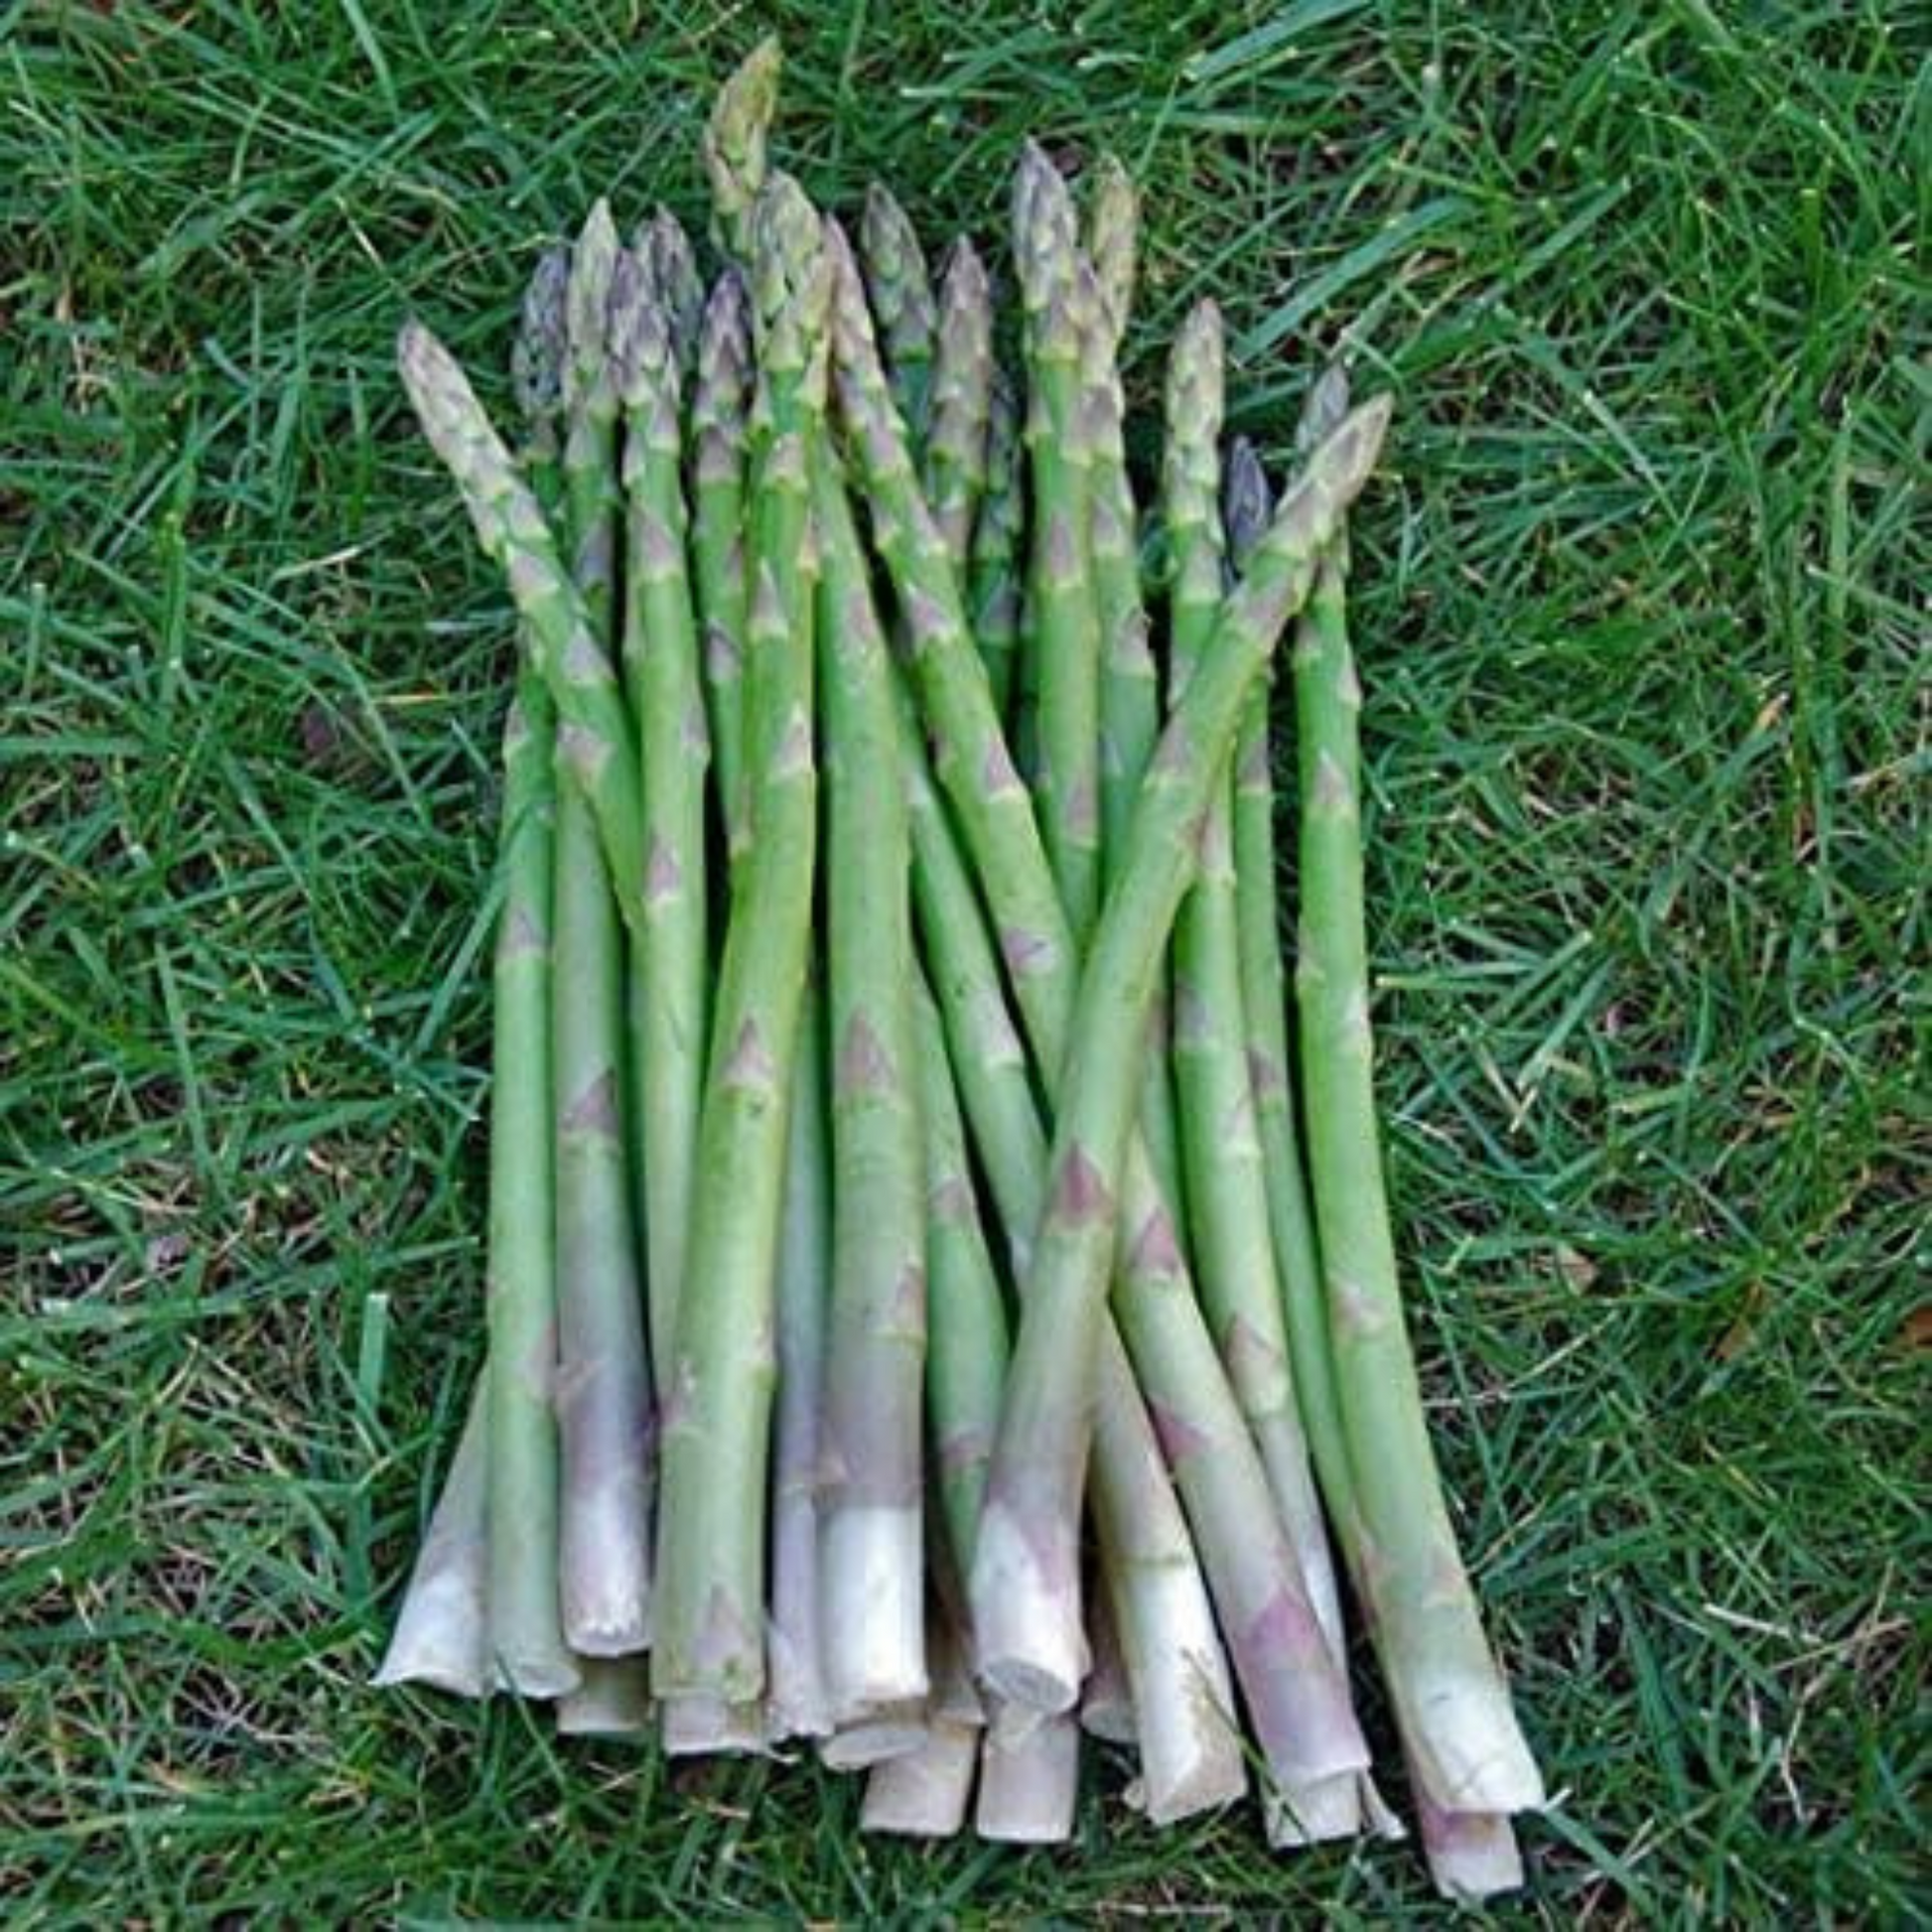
x=1640, y=609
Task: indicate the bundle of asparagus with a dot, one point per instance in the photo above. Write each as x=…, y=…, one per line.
x=915, y=1323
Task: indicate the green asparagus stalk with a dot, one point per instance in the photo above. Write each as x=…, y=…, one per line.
x=711, y=1548
x=1457, y=1721
x=901, y=288
x=995, y=818
x=966, y=1318
x=719, y=432
x=604, y=1393
x=1220, y=1139
x=799, y=1705
x=1178, y=1669
x=441, y=1633
x=1263, y=1013
x=671, y=268
x=661, y=651
x=1061, y=304
x=561, y=651
x=736, y=141
x=872, y=1528
x=998, y=529
x=1027, y=1554
x=962, y=400
x=1190, y=1759
x=526, y=1638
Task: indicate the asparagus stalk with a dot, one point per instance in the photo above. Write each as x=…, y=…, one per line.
x=441, y=1633
x=871, y=1527
x=520, y=1488
x=711, y=1548
x=662, y=665
x=1220, y=1140
x=718, y=436
x=995, y=817
x=1061, y=304
x=735, y=144
x=1248, y=504
x=526, y=1638
x=966, y=1318
x=901, y=288
x=1026, y=1576
x=603, y=1391
x=796, y=1697
x=962, y=400
x=1455, y=1713
x=1177, y=1673
x=998, y=529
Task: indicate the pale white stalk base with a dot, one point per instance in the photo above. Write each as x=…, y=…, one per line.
x=872, y=1737
x=441, y=1633
x=924, y=1793
x=603, y=1568
x=872, y=1606
x=1029, y=1783
x=540, y=1676
x=1464, y=1744
x=1183, y=1700
x=794, y=1690
x=613, y=1701
x=1027, y=1630
x=1106, y=1698
x=1379, y=1818
x=706, y=1727
x=1472, y=1854
x=1314, y=1814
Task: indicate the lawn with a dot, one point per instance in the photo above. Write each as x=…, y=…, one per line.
x=1640, y=616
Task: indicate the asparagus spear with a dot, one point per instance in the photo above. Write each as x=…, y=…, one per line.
x=1061, y=303
x=871, y=1527
x=962, y=400
x=661, y=656
x=1039, y=1617
x=718, y=436
x=900, y=287
x=526, y=1636
x=735, y=145
x=604, y=1377
x=711, y=1548
x=799, y=1705
x=441, y=1633
x=1226, y=1180
x=1248, y=505
x=998, y=529
x=1455, y=1713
